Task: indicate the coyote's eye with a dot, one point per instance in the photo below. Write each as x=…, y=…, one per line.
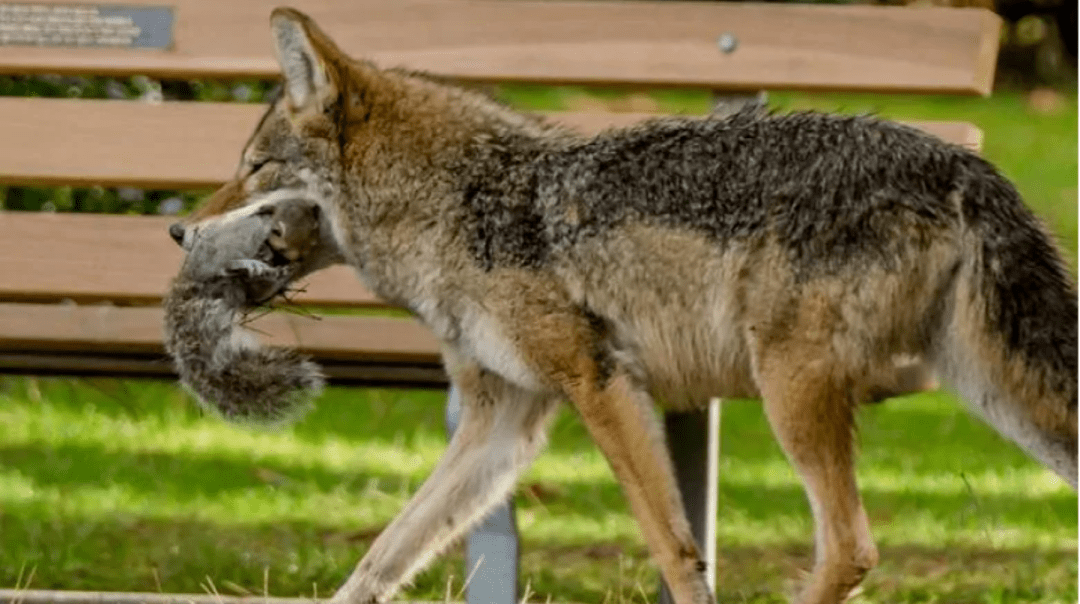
x=258, y=165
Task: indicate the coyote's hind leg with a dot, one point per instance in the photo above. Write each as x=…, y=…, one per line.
x=811, y=412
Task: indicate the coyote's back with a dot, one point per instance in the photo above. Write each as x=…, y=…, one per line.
x=704, y=243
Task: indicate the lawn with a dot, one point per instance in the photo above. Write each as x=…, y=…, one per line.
x=110, y=485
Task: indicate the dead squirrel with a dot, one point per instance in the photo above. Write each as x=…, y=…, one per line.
x=232, y=266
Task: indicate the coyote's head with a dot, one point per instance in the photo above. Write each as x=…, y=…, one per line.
x=296, y=146
x=362, y=142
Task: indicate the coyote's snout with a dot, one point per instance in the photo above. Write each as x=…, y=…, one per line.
x=788, y=257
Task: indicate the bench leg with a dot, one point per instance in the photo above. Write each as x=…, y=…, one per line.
x=694, y=442
x=491, y=551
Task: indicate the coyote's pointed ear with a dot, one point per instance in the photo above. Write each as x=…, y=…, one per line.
x=301, y=50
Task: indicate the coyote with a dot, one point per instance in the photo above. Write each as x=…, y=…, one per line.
x=789, y=257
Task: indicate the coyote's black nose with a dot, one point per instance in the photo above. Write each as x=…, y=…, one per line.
x=176, y=231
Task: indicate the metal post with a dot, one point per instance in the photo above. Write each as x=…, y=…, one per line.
x=693, y=440
x=727, y=104
x=491, y=550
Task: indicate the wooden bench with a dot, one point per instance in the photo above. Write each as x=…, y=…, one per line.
x=82, y=297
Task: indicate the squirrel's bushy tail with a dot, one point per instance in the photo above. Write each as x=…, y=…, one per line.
x=225, y=367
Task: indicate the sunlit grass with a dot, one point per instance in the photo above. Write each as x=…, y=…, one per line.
x=101, y=491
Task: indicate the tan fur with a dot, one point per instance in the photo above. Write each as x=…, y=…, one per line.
x=810, y=410
x=620, y=420
x=229, y=197
x=679, y=324
x=617, y=411
x=649, y=311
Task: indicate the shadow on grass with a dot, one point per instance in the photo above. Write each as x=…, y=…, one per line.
x=133, y=554
x=904, y=433
x=186, y=477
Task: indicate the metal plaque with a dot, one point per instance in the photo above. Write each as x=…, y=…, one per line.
x=82, y=25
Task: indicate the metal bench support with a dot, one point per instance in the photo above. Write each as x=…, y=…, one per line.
x=491, y=551
x=694, y=443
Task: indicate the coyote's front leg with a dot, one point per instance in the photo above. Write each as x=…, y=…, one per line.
x=567, y=349
x=502, y=428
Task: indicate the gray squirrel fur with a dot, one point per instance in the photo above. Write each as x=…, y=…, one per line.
x=232, y=267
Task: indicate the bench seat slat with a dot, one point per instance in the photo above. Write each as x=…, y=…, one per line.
x=871, y=48
x=186, y=145
x=117, y=365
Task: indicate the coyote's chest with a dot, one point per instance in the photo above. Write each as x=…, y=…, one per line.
x=472, y=331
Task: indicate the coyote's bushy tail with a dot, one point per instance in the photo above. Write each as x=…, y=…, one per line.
x=1009, y=344
x=226, y=368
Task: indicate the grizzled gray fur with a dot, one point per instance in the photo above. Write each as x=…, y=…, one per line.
x=840, y=194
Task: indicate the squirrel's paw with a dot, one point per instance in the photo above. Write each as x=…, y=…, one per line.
x=249, y=268
x=261, y=280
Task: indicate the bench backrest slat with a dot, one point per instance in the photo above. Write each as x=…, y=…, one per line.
x=90, y=258
x=182, y=144
x=811, y=47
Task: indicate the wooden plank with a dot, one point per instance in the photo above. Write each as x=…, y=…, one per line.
x=41, y=596
x=121, y=365
x=30, y=328
x=347, y=373
x=645, y=43
x=185, y=145
x=88, y=258
x=122, y=143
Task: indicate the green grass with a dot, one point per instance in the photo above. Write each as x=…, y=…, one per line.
x=123, y=486
x=110, y=485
